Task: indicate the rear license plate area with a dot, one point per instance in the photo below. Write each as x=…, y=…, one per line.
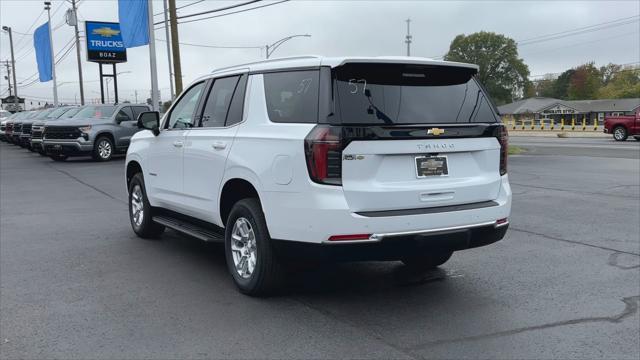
x=427, y=166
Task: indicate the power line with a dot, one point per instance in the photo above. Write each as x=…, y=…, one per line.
x=181, y=7
x=216, y=46
x=211, y=11
x=234, y=12
x=578, y=32
x=581, y=43
x=580, y=28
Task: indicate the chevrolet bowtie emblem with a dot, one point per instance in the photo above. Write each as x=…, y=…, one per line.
x=105, y=31
x=435, y=131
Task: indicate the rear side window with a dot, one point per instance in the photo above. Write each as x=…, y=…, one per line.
x=389, y=94
x=292, y=96
x=215, y=110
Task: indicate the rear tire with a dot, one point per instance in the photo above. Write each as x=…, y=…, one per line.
x=428, y=261
x=103, y=149
x=140, y=211
x=620, y=133
x=248, y=249
x=58, y=157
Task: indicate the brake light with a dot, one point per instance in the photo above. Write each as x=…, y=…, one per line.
x=323, y=151
x=350, y=237
x=503, y=138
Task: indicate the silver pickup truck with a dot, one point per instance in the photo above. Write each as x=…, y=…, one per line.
x=97, y=130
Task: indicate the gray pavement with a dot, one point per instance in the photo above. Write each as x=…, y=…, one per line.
x=591, y=147
x=565, y=282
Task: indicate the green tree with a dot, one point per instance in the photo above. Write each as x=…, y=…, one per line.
x=502, y=72
x=561, y=85
x=585, y=83
x=624, y=83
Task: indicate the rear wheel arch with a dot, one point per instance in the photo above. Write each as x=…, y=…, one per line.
x=233, y=191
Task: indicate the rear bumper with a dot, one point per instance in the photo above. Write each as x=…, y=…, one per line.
x=69, y=148
x=315, y=217
x=392, y=248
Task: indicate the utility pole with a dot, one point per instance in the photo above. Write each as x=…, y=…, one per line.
x=152, y=57
x=47, y=6
x=74, y=22
x=13, y=66
x=409, y=37
x=136, y=92
x=8, y=77
x=167, y=35
x=175, y=46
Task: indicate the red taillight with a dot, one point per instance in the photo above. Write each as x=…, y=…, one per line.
x=323, y=150
x=503, y=138
x=349, y=237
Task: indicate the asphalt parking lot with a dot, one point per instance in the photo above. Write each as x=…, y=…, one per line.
x=565, y=282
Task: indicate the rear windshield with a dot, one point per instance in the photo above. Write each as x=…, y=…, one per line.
x=96, y=112
x=389, y=94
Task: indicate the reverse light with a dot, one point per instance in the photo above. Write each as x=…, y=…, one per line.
x=323, y=150
x=350, y=237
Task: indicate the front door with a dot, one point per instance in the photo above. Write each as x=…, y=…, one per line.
x=166, y=151
x=210, y=144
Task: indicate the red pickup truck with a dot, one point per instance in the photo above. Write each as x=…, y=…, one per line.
x=623, y=126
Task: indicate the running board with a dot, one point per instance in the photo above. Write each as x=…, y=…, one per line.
x=190, y=228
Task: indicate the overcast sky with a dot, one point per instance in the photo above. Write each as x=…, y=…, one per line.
x=337, y=28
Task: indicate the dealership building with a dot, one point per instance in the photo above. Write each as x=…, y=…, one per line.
x=542, y=108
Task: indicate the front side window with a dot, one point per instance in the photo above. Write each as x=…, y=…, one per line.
x=215, y=111
x=182, y=115
x=124, y=114
x=292, y=96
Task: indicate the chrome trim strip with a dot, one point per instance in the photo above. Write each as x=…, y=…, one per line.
x=380, y=236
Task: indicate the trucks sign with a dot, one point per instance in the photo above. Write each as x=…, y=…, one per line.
x=104, y=42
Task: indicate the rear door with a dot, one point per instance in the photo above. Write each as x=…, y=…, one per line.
x=210, y=144
x=418, y=137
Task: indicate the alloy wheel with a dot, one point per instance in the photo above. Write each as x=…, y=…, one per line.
x=104, y=149
x=137, y=205
x=243, y=248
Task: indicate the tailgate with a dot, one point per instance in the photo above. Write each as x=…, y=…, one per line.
x=384, y=175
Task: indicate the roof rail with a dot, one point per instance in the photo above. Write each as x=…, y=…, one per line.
x=266, y=61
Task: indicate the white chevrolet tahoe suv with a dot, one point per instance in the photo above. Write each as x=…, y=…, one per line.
x=381, y=158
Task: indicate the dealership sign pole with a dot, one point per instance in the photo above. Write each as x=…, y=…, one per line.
x=105, y=46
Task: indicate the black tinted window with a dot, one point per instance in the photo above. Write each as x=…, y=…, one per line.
x=237, y=103
x=292, y=97
x=389, y=94
x=137, y=110
x=124, y=114
x=215, y=110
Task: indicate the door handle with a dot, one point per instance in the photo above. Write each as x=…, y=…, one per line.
x=178, y=143
x=219, y=145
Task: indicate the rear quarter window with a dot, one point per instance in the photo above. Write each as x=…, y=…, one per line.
x=292, y=96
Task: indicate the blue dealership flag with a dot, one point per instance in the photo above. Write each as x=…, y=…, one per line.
x=134, y=22
x=42, y=43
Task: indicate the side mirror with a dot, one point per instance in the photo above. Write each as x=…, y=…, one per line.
x=150, y=120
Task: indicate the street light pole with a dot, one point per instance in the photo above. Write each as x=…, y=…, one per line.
x=269, y=49
x=47, y=6
x=13, y=67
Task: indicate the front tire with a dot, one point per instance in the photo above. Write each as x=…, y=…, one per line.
x=140, y=211
x=103, y=149
x=248, y=249
x=620, y=133
x=428, y=261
